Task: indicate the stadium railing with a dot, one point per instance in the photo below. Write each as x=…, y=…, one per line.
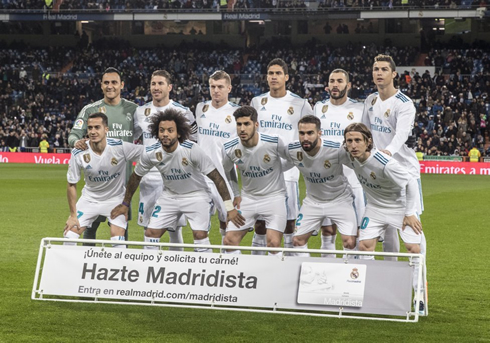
x=443, y=158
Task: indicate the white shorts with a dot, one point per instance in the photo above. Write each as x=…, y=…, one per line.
x=270, y=209
x=376, y=221
x=292, y=199
x=151, y=187
x=359, y=204
x=170, y=209
x=313, y=213
x=88, y=210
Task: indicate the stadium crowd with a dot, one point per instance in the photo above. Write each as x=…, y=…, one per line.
x=239, y=5
x=38, y=100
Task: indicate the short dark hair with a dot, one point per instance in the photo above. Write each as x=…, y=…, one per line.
x=279, y=62
x=363, y=130
x=183, y=128
x=246, y=111
x=94, y=115
x=386, y=58
x=164, y=74
x=111, y=70
x=340, y=70
x=310, y=119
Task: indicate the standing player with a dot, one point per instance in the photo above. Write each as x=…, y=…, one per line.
x=119, y=112
x=391, y=193
x=328, y=194
x=183, y=166
x=335, y=115
x=279, y=111
x=258, y=158
x=216, y=125
x=104, y=168
x=390, y=116
x=151, y=184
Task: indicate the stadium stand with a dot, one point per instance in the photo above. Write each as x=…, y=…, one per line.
x=42, y=90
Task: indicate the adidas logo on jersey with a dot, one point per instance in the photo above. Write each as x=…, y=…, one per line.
x=323, y=117
x=203, y=116
x=239, y=162
x=88, y=167
x=371, y=109
x=263, y=108
x=301, y=164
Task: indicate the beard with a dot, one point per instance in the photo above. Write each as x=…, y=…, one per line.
x=341, y=94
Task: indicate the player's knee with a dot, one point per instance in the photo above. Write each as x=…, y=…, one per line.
x=328, y=230
x=290, y=226
x=154, y=233
x=299, y=241
x=199, y=234
x=413, y=248
x=349, y=242
x=260, y=227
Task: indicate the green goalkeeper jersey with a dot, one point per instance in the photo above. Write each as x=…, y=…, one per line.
x=120, y=120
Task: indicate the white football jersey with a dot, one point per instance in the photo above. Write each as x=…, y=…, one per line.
x=104, y=175
x=323, y=173
x=280, y=116
x=391, y=122
x=260, y=166
x=142, y=120
x=334, y=119
x=183, y=171
x=215, y=126
x=383, y=179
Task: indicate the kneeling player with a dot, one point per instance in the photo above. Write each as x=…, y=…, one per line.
x=258, y=158
x=328, y=193
x=183, y=166
x=391, y=194
x=104, y=166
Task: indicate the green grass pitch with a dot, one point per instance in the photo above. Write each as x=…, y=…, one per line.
x=33, y=205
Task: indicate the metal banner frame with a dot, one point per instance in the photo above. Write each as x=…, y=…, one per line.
x=377, y=277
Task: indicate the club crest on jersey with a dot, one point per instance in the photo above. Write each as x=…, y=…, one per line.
x=102, y=109
x=327, y=164
x=114, y=161
x=141, y=219
x=354, y=274
x=184, y=161
x=86, y=158
x=324, y=108
x=147, y=111
x=159, y=156
x=373, y=176
x=129, y=117
x=238, y=153
x=291, y=110
x=374, y=101
x=387, y=113
x=299, y=155
x=267, y=158
x=228, y=119
x=263, y=101
x=350, y=116
x=205, y=108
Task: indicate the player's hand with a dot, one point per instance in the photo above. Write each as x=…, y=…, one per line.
x=81, y=144
x=236, y=218
x=72, y=224
x=387, y=152
x=236, y=202
x=118, y=210
x=414, y=223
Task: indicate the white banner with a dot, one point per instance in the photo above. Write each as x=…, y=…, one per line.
x=332, y=284
x=267, y=282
